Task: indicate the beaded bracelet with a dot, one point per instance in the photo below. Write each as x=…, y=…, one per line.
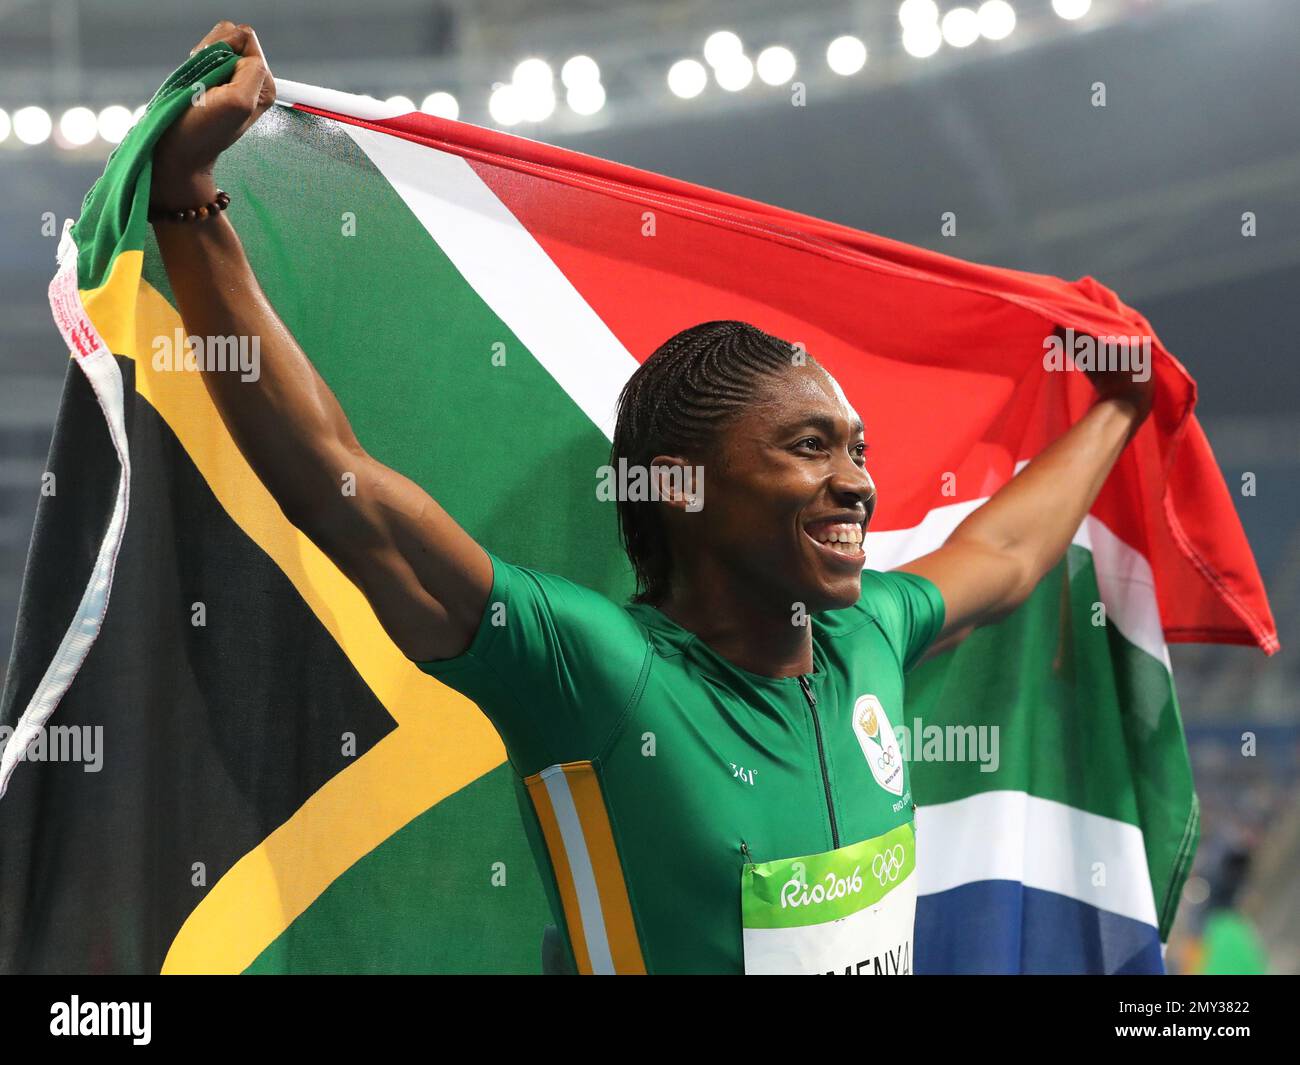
x=193, y=214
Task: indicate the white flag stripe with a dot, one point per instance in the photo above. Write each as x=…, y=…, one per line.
x=1011, y=835
x=509, y=270
x=366, y=108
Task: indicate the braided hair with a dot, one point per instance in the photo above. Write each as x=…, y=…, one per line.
x=677, y=402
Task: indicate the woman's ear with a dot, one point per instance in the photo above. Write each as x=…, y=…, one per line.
x=677, y=482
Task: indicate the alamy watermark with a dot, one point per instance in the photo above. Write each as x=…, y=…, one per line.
x=642, y=484
x=221, y=354
x=1066, y=350
x=124, y=1019
x=920, y=742
x=62, y=743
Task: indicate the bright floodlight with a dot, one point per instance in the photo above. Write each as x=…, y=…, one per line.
x=722, y=46
x=1071, y=9
x=687, y=78
x=77, y=126
x=775, y=65
x=997, y=19
x=961, y=27
x=138, y=113
x=580, y=70
x=32, y=125
x=734, y=73
x=538, y=104
x=442, y=104
x=403, y=105
x=922, y=40
x=917, y=13
x=533, y=74
x=586, y=98
x=505, y=105
x=113, y=122
x=5, y=124
x=846, y=55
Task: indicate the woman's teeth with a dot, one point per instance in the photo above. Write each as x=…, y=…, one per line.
x=845, y=537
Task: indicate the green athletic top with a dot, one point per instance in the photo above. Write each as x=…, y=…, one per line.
x=652, y=770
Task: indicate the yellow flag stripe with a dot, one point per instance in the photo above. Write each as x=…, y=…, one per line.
x=441, y=744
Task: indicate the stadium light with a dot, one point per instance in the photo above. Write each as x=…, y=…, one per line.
x=776, y=65
x=77, y=127
x=961, y=27
x=846, y=55
x=579, y=70
x=5, y=125
x=32, y=125
x=402, y=104
x=687, y=78
x=113, y=122
x=538, y=104
x=917, y=13
x=1071, y=9
x=533, y=80
x=922, y=39
x=735, y=72
x=586, y=98
x=997, y=19
x=722, y=46
x=442, y=104
x=533, y=74
x=505, y=105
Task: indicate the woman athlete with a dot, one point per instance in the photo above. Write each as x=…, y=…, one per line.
x=709, y=774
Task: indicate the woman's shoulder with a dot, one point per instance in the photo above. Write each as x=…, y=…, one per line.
x=536, y=592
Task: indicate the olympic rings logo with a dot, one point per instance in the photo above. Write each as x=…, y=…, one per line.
x=888, y=864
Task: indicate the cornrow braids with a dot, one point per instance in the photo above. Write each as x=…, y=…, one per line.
x=676, y=402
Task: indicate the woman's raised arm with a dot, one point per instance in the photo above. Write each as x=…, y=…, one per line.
x=425, y=577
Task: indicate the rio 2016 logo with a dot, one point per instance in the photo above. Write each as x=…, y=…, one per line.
x=797, y=893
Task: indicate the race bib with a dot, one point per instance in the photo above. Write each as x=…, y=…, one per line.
x=845, y=912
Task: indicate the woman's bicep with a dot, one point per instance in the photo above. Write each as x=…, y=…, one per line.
x=426, y=579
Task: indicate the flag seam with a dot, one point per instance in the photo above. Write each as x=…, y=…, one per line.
x=97, y=362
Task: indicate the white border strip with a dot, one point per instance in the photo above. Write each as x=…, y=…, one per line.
x=366, y=108
x=509, y=270
x=584, y=876
x=97, y=362
x=1010, y=835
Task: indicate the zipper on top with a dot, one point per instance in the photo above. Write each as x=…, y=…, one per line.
x=821, y=757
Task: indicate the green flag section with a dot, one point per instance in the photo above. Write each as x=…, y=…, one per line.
x=277, y=789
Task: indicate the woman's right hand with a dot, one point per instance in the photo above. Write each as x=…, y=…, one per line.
x=185, y=155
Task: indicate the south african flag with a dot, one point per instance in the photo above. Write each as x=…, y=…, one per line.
x=277, y=788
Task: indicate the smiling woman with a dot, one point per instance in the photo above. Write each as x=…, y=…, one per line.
x=731, y=690
x=732, y=730
x=765, y=421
